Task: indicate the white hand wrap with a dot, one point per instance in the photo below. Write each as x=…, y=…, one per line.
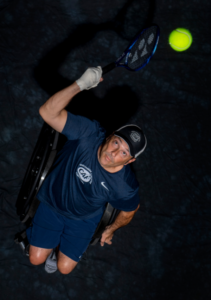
x=90, y=78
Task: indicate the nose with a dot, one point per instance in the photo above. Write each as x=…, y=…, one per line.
x=114, y=152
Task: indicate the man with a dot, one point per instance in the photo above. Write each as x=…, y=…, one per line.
x=89, y=171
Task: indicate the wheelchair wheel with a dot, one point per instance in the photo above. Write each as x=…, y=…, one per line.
x=36, y=171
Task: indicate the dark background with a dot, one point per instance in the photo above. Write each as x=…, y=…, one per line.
x=165, y=252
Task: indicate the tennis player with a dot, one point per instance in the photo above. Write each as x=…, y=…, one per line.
x=90, y=171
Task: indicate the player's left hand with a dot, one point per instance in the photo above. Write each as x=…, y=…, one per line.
x=106, y=236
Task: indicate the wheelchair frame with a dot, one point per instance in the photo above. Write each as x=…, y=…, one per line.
x=49, y=143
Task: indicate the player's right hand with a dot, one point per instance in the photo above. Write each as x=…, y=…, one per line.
x=90, y=78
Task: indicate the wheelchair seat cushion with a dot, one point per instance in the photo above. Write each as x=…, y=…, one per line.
x=50, y=229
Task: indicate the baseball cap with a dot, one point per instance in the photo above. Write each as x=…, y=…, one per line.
x=134, y=137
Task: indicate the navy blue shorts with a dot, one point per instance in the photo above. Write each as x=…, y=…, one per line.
x=50, y=229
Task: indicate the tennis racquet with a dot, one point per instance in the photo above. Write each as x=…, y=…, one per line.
x=139, y=52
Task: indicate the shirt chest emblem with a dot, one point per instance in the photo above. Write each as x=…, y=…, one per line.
x=84, y=174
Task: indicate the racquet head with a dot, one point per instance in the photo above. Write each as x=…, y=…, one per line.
x=141, y=50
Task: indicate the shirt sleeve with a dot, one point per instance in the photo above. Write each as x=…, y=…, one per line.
x=77, y=127
x=126, y=205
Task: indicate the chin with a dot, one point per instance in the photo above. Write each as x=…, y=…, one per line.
x=103, y=160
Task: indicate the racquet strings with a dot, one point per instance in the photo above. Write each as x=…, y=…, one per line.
x=143, y=48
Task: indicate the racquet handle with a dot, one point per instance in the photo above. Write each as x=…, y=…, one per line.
x=108, y=68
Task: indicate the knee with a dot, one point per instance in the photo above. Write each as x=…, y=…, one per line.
x=35, y=260
x=64, y=269
x=36, y=257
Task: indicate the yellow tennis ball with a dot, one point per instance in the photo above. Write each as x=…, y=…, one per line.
x=180, y=39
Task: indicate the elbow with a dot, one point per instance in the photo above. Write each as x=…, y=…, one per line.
x=136, y=209
x=47, y=113
x=41, y=111
x=128, y=214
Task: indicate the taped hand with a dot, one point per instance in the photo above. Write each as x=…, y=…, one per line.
x=90, y=78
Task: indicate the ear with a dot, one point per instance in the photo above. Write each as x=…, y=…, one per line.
x=130, y=161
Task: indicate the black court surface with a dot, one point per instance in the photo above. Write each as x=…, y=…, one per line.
x=165, y=252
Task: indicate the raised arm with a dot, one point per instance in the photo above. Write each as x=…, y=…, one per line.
x=53, y=110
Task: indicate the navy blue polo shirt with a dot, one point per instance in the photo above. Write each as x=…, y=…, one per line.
x=78, y=187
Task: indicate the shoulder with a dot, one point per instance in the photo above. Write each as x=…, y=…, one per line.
x=78, y=127
x=100, y=131
x=124, y=185
x=130, y=178
x=126, y=196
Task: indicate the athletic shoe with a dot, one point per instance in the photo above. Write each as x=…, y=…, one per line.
x=51, y=262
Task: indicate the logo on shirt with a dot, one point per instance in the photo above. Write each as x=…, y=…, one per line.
x=135, y=136
x=84, y=174
x=103, y=184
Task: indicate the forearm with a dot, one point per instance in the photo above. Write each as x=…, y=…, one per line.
x=56, y=103
x=121, y=220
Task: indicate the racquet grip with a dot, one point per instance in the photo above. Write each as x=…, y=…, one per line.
x=108, y=68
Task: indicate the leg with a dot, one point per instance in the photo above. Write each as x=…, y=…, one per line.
x=65, y=264
x=44, y=234
x=74, y=241
x=38, y=255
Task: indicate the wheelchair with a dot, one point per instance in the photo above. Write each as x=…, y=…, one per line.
x=49, y=143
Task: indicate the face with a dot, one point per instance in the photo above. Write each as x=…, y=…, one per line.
x=114, y=154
